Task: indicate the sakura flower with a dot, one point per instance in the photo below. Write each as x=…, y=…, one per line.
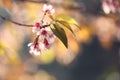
x=37, y=26
x=49, y=40
x=47, y=44
x=44, y=33
x=35, y=48
x=48, y=9
x=47, y=36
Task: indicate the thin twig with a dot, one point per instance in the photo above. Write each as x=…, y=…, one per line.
x=20, y=24
x=43, y=16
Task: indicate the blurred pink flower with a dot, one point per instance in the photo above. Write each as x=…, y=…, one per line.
x=111, y=6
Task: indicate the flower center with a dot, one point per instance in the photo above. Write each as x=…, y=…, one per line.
x=44, y=32
x=46, y=42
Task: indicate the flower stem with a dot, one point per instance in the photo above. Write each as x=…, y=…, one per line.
x=43, y=16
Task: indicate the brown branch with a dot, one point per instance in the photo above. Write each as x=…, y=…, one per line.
x=20, y=24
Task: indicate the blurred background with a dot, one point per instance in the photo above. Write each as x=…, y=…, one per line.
x=93, y=54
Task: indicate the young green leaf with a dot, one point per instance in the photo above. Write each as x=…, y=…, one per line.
x=67, y=19
x=60, y=33
x=65, y=24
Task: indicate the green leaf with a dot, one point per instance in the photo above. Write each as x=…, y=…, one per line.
x=67, y=19
x=65, y=24
x=60, y=33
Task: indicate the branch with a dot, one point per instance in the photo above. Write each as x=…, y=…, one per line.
x=20, y=24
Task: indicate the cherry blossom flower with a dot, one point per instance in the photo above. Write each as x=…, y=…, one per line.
x=46, y=44
x=35, y=48
x=49, y=41
x=48, y=9
x=45, y=33
x=37, y=26
x=51, y=38
x=47, y=36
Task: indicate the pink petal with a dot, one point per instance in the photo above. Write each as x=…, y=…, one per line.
x=36, y=52
x=44, y=7
x=49, y=7
x=52, y=11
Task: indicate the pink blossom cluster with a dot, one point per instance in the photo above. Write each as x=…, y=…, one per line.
x=111, y=6
x=45, y=37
